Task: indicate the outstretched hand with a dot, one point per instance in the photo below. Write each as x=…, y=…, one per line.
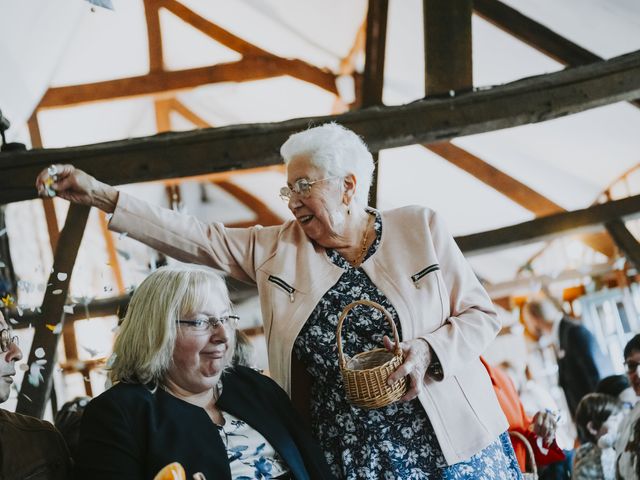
x=74, y=185
x=417, y=357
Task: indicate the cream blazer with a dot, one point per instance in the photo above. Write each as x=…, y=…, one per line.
x=417, y=266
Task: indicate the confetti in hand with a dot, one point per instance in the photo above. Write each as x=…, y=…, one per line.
x=52, y=178
x=35, y=374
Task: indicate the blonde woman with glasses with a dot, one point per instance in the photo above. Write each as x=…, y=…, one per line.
x=336, y=250
x=176, y=397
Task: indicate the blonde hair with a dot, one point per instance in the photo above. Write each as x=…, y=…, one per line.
x=143, y=350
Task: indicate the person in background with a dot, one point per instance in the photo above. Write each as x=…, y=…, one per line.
x=67, y=421
x=540, y=430
x=628, y=445
x=336, y=250
x=244, y=353
x=176, y=398
x=598, y=417
x=618, y=386
x=30, y=448
x=581, y=363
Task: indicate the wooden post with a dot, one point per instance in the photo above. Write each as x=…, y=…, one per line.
x=33, y=398
x=625, y=241
x=373, y=79
x=447, y=45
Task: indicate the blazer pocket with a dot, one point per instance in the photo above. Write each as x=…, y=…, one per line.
x=429, y=279
x=283, y=286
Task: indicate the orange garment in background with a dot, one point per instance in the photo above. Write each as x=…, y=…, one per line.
x=518, y=420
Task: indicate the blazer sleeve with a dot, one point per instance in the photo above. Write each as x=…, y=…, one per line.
x=188, y=239
x=583, y=341
x=473, y=323
x=108, y=448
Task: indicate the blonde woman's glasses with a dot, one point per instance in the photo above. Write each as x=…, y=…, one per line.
x=206, y=324
x=301, y=187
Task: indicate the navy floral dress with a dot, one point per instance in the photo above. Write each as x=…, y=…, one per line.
x=393, y=442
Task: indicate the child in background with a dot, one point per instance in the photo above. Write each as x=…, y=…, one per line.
x=598, y=417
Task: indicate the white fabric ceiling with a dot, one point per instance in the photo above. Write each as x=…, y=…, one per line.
x=569, y=160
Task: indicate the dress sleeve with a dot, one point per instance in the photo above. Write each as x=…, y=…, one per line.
x=108, y=448
x=473, y=323
x=188, y=239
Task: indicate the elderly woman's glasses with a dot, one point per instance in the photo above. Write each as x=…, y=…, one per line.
x=6, y=339
x=205, y=324
x=301, y=187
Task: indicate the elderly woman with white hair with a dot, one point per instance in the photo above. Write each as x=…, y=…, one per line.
x=337, y=250
x=177, y=399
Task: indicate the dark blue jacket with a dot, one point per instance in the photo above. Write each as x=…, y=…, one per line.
x=129, y=432
x=581, y=363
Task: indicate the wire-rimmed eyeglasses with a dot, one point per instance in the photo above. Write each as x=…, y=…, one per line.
x=301, y=187
x=204, y=324
x=631, y=366
x=6, y=339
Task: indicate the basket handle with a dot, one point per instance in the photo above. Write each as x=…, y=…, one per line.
x=530, y=455
x=343, y=315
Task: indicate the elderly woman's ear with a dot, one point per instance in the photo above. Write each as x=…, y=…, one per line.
x=349, y=183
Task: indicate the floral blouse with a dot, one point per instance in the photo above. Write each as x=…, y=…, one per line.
x=393, y=442
x=250, y=455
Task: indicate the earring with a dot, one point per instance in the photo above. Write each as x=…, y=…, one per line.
x=348, y=210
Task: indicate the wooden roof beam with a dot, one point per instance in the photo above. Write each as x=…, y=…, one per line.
x=256, y=145
x=535, y=34
x=551, y=226
x=245, y=70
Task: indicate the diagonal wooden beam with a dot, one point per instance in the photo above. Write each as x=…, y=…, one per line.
x=508, y=186
x=625, y=241
x=265, y=215
x=256, y=145
x=535, y=34
x=551, y=226
x=198, y=121
x=245, y=70
x=35, y=395
x=212, y=30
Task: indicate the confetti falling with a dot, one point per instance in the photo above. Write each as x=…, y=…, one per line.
x=122, y=235
x=68, y=309
x=3, y=232
x=35, y=377
x=13, y=321
x=8, y=301
x=39, y=353
x=58, y=291
x=62, y=276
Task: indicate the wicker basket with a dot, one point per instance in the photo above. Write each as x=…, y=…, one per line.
x=531, y=458
x=365, y=375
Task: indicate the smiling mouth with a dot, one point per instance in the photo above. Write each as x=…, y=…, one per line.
x=305, y=219
x=213, y=354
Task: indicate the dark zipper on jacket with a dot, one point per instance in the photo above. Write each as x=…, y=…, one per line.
x=416, y=278
x=283, y=285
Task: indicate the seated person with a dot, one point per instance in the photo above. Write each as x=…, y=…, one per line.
x=176, y=397
x=67, y=421
x=618, y=386
x=542, y=426
x=628, y=444
x=29, y=447
x=598, y=417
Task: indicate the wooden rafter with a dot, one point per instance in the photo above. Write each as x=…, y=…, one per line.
x=551, y=226
x=625, y=240
x=508, y=186
x=33, y=397
x=154, y=36
x=535, y=34
x=242, y=146
x=180, y=108
x=245, y=70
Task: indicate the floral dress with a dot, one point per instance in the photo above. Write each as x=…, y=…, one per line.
x=393, y=442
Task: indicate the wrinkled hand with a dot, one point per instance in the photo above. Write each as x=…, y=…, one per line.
x=544, y=425
x=417, y=357
x=77, y=186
